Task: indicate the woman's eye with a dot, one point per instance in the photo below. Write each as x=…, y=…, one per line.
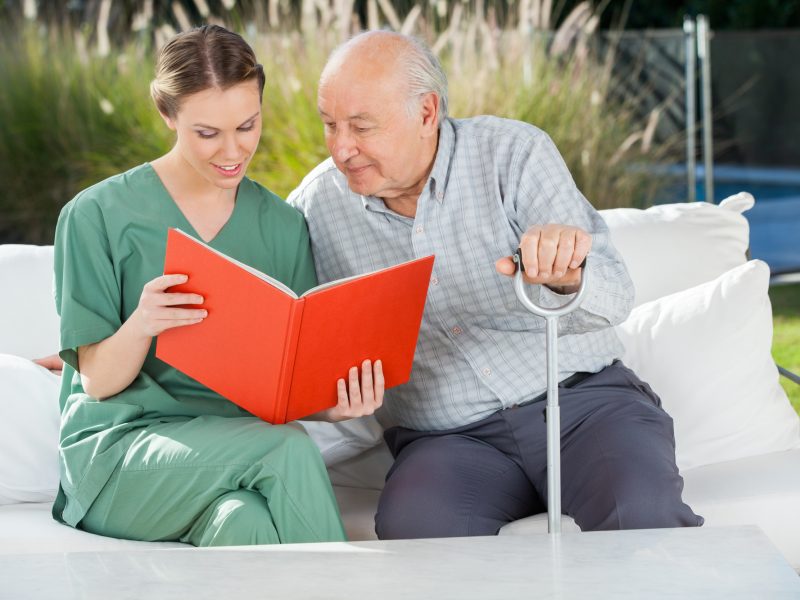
x=206, y=134
x=247, y=128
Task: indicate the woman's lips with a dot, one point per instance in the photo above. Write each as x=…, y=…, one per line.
x=227, y=171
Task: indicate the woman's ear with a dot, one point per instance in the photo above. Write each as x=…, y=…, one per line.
x=168, y=120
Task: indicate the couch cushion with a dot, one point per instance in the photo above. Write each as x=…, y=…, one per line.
x=367, y=470
x=706, y=352
x=28, y=318
x=28, y=431
x=358, y=507
x=760, y=490
x=672, y=247
x=29, y=528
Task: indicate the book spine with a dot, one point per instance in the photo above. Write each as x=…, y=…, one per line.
x=287, y=366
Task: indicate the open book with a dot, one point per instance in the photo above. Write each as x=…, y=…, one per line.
x=278, y=355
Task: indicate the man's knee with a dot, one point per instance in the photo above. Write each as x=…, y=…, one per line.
x=413, y=513
x=436, y=495
x=638, y=503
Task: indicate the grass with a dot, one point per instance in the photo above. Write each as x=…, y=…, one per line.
x=786, y=337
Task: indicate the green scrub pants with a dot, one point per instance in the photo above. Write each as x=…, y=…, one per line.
x=215, y=481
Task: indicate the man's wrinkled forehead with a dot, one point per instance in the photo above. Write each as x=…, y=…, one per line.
x=367, y=52
x=371, y=65
x=359, y=92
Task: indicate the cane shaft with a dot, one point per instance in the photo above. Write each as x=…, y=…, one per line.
x=553, y=430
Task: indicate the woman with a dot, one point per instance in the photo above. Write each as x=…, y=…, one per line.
x=146, y=452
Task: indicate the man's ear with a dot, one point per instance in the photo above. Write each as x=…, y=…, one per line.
x=430, y=113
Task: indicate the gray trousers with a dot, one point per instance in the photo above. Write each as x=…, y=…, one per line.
x=618, y=466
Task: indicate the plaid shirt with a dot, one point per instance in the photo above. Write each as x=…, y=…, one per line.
x=479, y=349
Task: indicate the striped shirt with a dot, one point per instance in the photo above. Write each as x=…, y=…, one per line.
x=479, y=350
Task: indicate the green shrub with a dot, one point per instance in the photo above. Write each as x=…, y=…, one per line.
x=71, y=117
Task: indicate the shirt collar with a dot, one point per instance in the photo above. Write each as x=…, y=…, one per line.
x=444, y=158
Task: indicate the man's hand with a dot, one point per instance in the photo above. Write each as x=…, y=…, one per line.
x=552, y=256
x=356, y=398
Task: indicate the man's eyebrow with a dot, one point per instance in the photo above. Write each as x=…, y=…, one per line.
x=356, y=117
x=245, y=122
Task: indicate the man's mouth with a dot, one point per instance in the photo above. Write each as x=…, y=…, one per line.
x=357, y=170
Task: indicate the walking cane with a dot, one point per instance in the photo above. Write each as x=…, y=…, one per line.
x=553, y=415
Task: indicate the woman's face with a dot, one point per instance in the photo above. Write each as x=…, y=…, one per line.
x=218, y=132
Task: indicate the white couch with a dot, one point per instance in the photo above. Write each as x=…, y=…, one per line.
x=700, y=334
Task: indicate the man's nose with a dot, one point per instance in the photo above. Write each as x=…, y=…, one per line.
x=344, y=146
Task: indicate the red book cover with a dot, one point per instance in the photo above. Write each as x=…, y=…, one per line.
x=277, y=355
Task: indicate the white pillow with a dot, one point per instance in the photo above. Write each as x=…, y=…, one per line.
x=673, y=247
x=28, y=318
x=706, y=352
x=29, y=418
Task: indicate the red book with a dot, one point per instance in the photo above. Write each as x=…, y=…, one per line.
x=278, y=355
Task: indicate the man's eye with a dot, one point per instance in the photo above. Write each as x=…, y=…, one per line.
x=361, y=129
x=330, y=126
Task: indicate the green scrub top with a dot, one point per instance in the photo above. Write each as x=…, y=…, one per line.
x=110, y=241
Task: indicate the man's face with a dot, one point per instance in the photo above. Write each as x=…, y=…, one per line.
x=381, y=149
x=218, y=132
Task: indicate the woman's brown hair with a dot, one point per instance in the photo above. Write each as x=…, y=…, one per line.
x=199, y=59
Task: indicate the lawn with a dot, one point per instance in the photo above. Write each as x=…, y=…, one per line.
x=786, y=342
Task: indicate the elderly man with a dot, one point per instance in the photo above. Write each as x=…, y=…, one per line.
x=468, y=431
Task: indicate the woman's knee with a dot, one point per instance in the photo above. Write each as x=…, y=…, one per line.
x=298, y=446
x=240, y=517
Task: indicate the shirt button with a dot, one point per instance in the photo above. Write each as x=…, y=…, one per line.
x=487, y=371
x=457, y=330
x=439, y=195
x=434, y=281
x=420, y=229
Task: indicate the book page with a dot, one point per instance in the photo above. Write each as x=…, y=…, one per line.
x=330, y=284
x=270, y=280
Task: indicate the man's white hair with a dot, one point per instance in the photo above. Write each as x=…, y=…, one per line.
x=422, y=69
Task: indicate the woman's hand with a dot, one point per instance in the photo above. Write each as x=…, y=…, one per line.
x=52, y=362
x=159, y=310
x=109, y=366
x=357, y=398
